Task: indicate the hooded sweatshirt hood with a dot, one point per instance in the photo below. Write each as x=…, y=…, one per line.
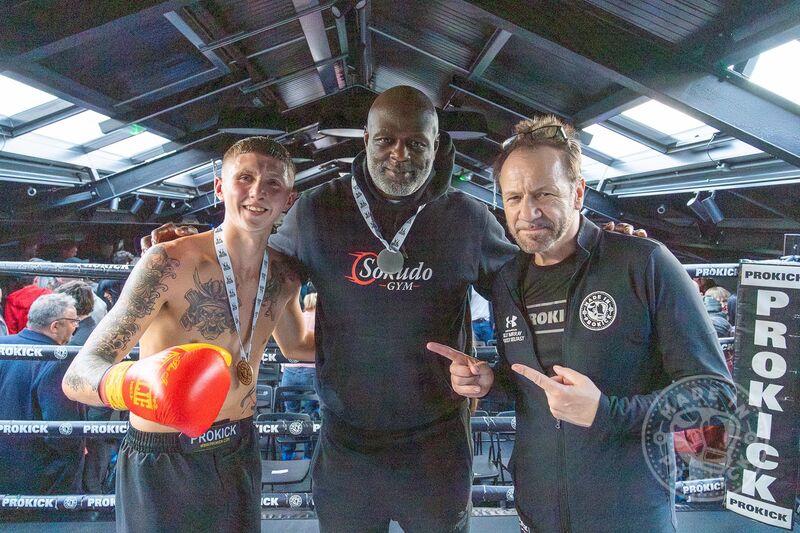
x=434, y=187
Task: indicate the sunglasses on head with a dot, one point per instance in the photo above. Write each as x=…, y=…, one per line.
x=542, y=132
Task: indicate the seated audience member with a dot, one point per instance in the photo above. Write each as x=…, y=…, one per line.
x=3, y=326
x=716, y=303
x=110, y=289
x=98, y=451
x=31, y=390
x=84, y=303
x=19, y=301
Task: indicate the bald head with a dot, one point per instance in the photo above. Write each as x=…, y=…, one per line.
x=402, y=137
x=404, y=101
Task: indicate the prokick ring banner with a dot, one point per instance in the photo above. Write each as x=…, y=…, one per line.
x=761, y=479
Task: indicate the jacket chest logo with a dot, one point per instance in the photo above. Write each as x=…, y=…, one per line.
x=598, y=311
x=512, y=333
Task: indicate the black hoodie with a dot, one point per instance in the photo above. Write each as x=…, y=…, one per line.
x=373, y=370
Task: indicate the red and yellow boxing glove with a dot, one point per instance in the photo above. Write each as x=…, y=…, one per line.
x=182, y=387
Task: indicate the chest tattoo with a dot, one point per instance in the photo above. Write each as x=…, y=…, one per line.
x=208, y=308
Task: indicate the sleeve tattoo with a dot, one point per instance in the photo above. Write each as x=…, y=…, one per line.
x=137, y=302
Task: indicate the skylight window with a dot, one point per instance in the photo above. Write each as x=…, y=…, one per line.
x=77, y=129
x=16, y=97
x=613, y=144
x=776, y=70
x=663, y=118
x=135, y=145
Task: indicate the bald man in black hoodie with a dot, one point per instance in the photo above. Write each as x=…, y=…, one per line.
x=392, y=250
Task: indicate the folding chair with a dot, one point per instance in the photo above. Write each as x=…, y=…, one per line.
x=269, y=373
x=264, y=397
x=293, y=393
x=278, y=475
x=483, y=467
x=497, y=439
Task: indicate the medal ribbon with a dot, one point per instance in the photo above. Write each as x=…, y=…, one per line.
x=363, y=206
x=230, y=285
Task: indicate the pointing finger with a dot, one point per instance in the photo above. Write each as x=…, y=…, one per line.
x=451, y=353
x=537, y=377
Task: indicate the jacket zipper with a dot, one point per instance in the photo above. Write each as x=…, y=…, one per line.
x=562, y=452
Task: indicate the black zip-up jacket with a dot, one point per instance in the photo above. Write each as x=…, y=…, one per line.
x=374, y=374
x=634, y=324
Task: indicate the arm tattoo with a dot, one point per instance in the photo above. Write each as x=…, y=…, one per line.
x=135, y=304
x=280, y=275
x=208, y=308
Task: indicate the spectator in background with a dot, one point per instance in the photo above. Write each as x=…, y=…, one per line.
x=82, y=293
x=715, y=300
x=732, y=309
x=3, y=326
x=19, y=302
x=109, y=289
x=98, y=451
x=31, y=390
x=301, y=374
x=481, y=314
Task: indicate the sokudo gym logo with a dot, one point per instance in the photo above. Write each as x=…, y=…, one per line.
x=364, y=271
x=694, y=404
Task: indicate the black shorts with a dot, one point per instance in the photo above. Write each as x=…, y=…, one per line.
x=169, y=482
x=422, y=479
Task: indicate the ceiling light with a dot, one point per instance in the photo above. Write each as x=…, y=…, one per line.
x=695, y=205
x=713, y=210
x=251, y=121
x=463, y=125
x=159, y=207
x=137, y=205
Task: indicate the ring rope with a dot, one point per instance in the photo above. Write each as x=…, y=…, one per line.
x=481, y=494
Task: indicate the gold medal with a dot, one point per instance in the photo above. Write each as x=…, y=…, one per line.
x=244, y=372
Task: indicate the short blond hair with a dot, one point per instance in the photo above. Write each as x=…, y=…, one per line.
x=718, y=293
x=523, y=137
x=263, y=146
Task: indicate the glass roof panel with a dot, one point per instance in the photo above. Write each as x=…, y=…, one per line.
x=16, y=97
x=776, y=70
x=77, y=129
x=662, y=117
x=135, y=145
x=613, y=144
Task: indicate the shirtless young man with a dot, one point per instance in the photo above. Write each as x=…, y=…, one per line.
x=198, y=479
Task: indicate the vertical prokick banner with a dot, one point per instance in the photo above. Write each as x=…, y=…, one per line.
x=761, y=479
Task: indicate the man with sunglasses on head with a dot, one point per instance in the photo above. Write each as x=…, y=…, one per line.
x=31, y=390
x=594, y=324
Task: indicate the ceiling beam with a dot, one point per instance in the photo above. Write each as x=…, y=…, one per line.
x=317, y=39
x=496, y=43
x=717, y=99
x=774, y=28
x=145, y=174
x=38, y=29
x=607, y=107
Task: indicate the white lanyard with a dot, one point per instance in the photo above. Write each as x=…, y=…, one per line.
x=230, y=285
x=391, y=262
